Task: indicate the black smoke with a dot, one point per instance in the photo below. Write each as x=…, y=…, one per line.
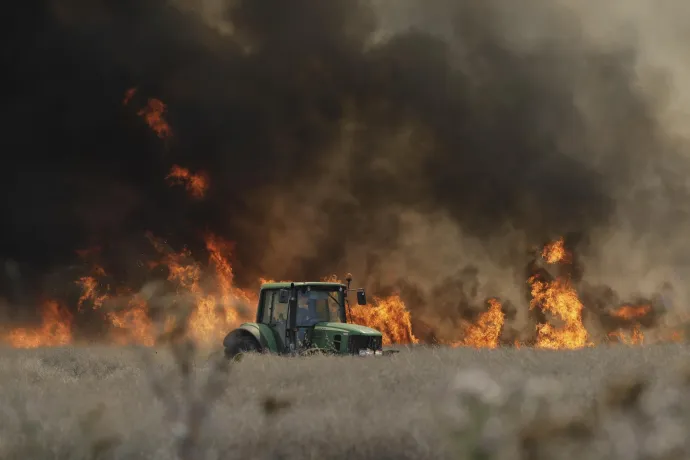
x=317, y=136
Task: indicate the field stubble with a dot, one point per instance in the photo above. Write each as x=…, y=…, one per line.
x=108, y=402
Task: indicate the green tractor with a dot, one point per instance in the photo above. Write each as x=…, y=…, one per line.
x=298, y=319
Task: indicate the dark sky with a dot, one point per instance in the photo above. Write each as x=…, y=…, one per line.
x=502, y=140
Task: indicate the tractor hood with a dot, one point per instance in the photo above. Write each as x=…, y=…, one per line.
x=352, y=329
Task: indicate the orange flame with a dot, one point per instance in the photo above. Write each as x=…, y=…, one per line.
x=195, y=184
x=217, y=302
x=388, y=315
x=555, y=252
x=559, y=298
x=216, y=314
x=133, y=325
x=630, y=312
x=218, y=306
x=215, y=309
x=89, y=286
x=153, y=115
x=636, y=337
x=56, y=329
x=486, y=332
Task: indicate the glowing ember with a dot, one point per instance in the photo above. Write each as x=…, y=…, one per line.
x=675, y=336
x=153, y=115
x=195, y=184
x=129, y=94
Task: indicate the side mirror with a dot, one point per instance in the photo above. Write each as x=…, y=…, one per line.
x=361, y=297
x=283, y=296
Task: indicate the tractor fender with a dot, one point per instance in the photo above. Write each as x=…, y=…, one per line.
x=259, y=332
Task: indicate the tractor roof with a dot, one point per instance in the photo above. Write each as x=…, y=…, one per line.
x=286, y=285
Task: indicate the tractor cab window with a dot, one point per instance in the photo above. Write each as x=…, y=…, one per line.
x=315, y=306
x=280, y=311
x=267, y=305
x=273, y=311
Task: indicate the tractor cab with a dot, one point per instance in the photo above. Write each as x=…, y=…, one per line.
x=318, y=306
x=294, y=318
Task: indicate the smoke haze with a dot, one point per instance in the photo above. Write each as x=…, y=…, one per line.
x=423, y=146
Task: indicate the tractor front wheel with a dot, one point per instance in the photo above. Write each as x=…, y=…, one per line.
x=239, y=345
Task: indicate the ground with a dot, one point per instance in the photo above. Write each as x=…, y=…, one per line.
x=108, y=402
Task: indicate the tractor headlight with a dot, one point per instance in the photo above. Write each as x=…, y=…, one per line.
x=378, y=352
x=366, y=352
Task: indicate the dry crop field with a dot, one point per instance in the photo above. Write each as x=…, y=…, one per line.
x=108, y=402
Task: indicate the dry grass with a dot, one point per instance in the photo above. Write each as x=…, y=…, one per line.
x=608, y=403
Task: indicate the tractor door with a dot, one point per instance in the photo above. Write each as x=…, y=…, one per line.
x=275, y=314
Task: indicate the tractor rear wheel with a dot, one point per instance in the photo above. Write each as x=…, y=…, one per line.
x=239, y=345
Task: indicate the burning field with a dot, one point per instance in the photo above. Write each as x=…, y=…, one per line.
x=201, y=298
x=487, y=185
x=508, y=182
x=173, y=288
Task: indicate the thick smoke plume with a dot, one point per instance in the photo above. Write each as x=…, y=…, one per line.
x=424, y=146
